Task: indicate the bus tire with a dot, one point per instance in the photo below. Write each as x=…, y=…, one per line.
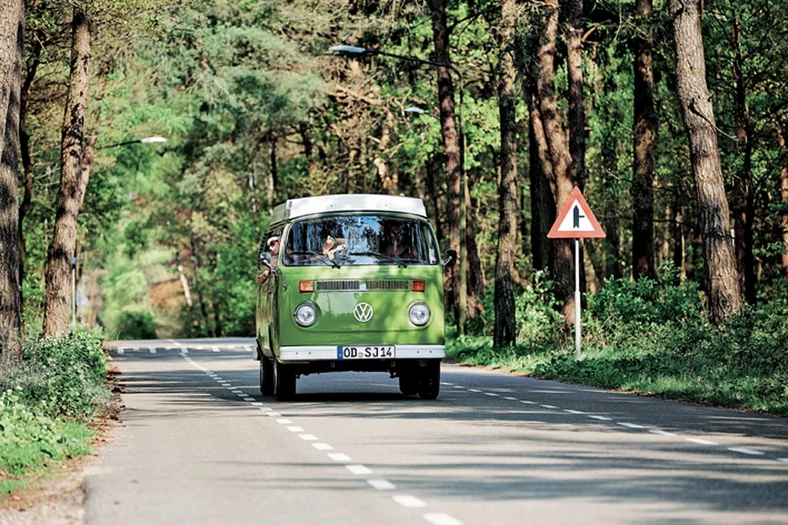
x=284, y=381
x=430, y=380
x=266, y=376
x=408, y=382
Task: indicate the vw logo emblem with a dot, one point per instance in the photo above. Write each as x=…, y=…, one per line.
x=363, y=312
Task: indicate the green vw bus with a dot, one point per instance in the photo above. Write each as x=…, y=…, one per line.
x=350, y=283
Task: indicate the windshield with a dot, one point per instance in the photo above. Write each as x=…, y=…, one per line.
x=340, y=240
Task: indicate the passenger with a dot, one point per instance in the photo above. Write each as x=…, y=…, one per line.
x=398, y=244
x=273, y=247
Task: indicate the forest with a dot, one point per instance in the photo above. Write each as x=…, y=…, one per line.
x=145, y=143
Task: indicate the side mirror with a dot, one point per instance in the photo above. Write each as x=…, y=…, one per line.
x=265, y=261
x=449, y=259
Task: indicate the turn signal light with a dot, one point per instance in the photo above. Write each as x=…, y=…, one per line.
x=306, y=286
x=418, y=286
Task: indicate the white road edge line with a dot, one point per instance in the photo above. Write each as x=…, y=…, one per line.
x=701, y=441
x=629, y=425
x=662, y=432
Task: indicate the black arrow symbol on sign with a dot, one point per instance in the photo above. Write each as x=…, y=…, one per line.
x=577, y=217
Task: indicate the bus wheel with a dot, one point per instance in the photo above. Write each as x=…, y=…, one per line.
x=430, y=380
x=284, y=381
x=266, y=376
x=408, y=382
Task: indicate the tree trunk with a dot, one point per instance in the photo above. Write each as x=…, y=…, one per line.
x=781, y=134
x=474, y=279
x=744, y=196
x=451, y=141
x=11, y=42
x=388, y=180
x=505, y=329
x=33, y=61
x=560, y=159
x=724, y=296
x=643, y=260
x=273, y=175
x=577, y=113
x=543, y=209
x=72, y=170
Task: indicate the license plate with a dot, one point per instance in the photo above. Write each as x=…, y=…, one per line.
x=366, y=352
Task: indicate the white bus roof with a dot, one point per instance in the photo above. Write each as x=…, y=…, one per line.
x=295, y=208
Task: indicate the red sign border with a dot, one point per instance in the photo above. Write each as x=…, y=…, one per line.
x=596, y=233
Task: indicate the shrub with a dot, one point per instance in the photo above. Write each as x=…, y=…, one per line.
x=136, y=324
x=46, y=396
x=59, y=377
x=537, y=317
x=646, y=301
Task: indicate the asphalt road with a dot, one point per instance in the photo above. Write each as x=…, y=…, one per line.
x=200, y=445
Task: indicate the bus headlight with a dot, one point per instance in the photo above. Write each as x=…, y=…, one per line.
x=305, y=314
x=419, y=314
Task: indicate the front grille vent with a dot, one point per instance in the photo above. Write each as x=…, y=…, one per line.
x=388, y=285
x=338, y=286
x=356, y=286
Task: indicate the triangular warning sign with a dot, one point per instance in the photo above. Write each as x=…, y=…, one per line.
x=576, y=220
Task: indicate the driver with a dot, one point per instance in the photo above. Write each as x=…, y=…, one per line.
x=331, y=247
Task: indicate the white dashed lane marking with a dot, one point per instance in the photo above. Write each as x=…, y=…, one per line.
x=411, y=502
x=339, y=457
x=625, y=424
x=629, y=425
x=746, y=451
x=359, y=470
x=382, y=484
x=441, y=519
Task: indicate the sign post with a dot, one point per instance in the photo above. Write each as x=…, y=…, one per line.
x=576, y=221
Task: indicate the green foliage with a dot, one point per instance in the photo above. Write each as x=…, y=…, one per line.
x=46, y=399
x=538, y=321
x=60, y=377
x=29, y=439
x=660, y=344
x=645, y=301
x=136, y=324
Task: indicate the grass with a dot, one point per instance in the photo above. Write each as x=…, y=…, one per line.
x=740, y=366
x=48, y=398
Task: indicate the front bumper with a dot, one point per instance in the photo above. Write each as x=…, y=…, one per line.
x=329, y=353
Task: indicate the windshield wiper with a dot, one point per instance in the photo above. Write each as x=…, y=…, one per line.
x=388, y=258
x=319, y=256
